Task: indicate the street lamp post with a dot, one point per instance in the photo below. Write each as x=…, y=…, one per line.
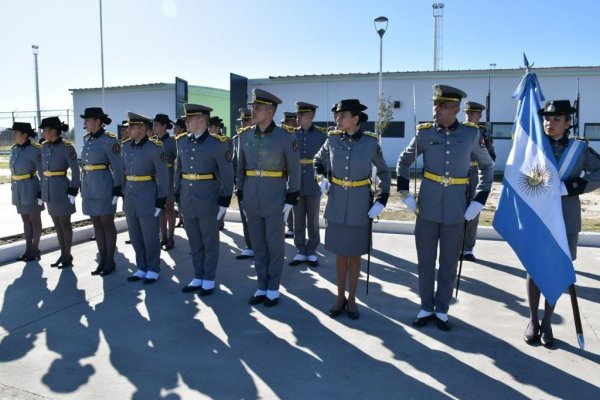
x=37, y=83
x=381, y=24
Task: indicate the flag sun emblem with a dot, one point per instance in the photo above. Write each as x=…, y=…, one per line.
x=535, y=180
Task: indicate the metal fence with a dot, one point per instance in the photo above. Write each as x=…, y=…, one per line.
x=8, y=117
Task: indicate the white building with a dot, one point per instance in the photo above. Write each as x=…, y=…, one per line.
x=325, y=90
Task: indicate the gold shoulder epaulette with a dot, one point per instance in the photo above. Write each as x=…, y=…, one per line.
x=371, y=134
x=288, y=128
x=156, y=142
x=321, y=128
x=44, y=142
x=36, y=145
x=126, y=140
x=334, y=132
x=425, y=125
x=184, y=134
x=482, y=126
x=581, y=138
x=246, y=129
x=472, y=125
x=110, y=134
x=220, y=138
x=68, y=143
x=15, y=145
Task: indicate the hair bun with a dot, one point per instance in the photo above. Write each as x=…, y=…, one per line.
x=64, y=127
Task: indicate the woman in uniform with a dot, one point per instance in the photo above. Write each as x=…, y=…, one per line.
x=25, y=166
x=101, y=184
x=345, y=162
x=58, y=191
x=582, y=175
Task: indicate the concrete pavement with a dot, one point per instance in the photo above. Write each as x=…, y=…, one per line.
x=66, y=334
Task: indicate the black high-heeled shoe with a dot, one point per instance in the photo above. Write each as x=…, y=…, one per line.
x=66, y=262
x=335, y=312
x=33, y=257
x=532, y=334
x=22, y=257
x=57, y=263
x=352, y=314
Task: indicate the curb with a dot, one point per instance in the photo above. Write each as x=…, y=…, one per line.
x=11, y=251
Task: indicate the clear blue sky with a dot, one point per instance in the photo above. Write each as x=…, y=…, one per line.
x=203, y=41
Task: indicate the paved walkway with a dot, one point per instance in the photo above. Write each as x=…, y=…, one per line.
x=69, y=335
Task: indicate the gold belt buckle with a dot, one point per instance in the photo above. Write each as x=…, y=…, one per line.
x=446, y=180
x=259, y=173
x=194, y=177
x=346, y=183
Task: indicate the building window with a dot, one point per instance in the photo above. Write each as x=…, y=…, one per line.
x=591, y=131
x=503, y=130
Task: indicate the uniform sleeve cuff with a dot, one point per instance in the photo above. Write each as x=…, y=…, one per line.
x=160, y=202
x=73, y=191
x=239, y=194
x=292, y=198
x=382, y=198
x=319, y=168
x=117, y=191
x=481, y=197
x=224, y=201
x=402, y=183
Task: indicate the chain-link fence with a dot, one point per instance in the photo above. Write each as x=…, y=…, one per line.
x=8, y=117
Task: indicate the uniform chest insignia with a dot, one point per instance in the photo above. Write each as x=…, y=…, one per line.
x=116, y=148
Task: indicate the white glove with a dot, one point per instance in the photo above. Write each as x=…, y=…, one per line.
x=286, y=210
x=410, y=203
x=222, y=211
x=156, y=211
x=324, y=185
x=114, y=200
x=473, y=210
x=376, y=209
x=71, y=199
x=40, y=202
x=563, y=189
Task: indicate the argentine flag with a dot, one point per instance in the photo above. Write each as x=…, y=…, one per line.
x=529, y=214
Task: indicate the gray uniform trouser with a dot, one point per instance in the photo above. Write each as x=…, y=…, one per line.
x=306, y=215
x=245, y=227
x=203, y=237
x=427, y=236
x=268, y=241
x=471, y=232
x=143, y=232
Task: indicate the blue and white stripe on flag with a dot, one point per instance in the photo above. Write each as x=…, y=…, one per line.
x=529, y=214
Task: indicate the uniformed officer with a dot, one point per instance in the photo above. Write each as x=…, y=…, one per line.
x=58, y=191
x=215, y=124
x=160, y=126
x=123, y=131
x=203, y=189
x=179, y=127
x=289, y=123
x=101, y=182
x=447, y=147
x=580, y=173
x=25, y=170
x=268, y=184
x=245, y=121
x=346, y=160
x=144, y=195
x=307, y=210
x=473, y=112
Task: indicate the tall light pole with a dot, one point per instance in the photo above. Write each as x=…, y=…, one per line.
x=381, y=24
x=37, y=83
x=101, y=53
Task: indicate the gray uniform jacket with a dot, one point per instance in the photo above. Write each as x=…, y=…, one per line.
x=350, y=157
x=310, y=143
x=145, y=159
x=101, y=148
x=59, y=155
x=474, y=172
x=25, y=159
x=447, y=152
x=272, y=150
x=170, y=148
x=589, y=162
x=209, y=154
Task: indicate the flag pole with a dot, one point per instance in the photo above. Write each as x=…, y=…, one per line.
x=577, y=317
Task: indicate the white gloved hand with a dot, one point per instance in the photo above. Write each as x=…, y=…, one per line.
x=71, y=199
x=376, y=209
x=563, y=189
x=222, y=211
x=40, y=202
x=114, y=200
x=286, y=210
x=324, y=185
x=473, y=210
x=156, y=211
x=410, y=203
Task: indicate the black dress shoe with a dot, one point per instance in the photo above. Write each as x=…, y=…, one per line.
x=289, y=235
x=106, y=272
x=336, y=312
x=150, y=281
x=352, y=314
x=190, y=289
x=271, y=303
x=205, y=292
x=313, y=263
x=128, y=241
x=23, y=256
x=421, y=322
x=66, y=262
x=57, y=263
x=546, y=336
x=293, y=263
x=531, y=335
x=254, y=300
x=134, y=278
x=168, y=246
x=98, y=270
x=469, y=257
x=242, y=257
x=33, y=257
x=443, y=325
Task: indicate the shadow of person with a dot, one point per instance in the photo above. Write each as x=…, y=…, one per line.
x=71, y=336
x=22, y=302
